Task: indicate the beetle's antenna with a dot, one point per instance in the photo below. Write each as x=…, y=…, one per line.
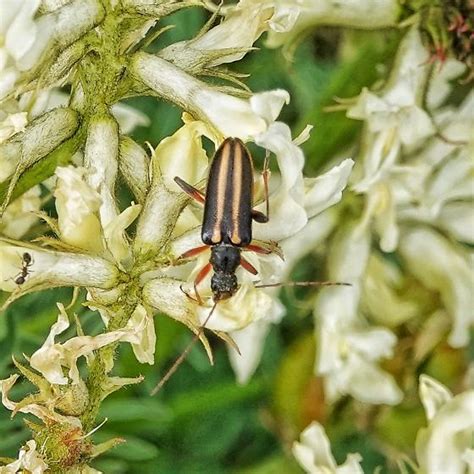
x=304, y=283
x=183, y=354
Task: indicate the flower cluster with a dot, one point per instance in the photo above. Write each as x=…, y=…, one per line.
x=78, y=147
x=402, y=223
x=403, y=230
x=445, y=445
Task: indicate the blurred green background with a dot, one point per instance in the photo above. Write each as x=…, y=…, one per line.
x=203, y=421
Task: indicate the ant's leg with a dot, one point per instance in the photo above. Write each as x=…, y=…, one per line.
x=190, y=190
x=248, y=266
x=258, y=216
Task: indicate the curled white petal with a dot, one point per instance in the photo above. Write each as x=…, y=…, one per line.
x=50, y=359
x=442, y=445
x=326, y=190
x=114, y=233
x=144, y=348
x=433, y=395
x=313, y=453
x=28, y=459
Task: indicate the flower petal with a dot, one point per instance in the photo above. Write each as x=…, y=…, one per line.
x=442, y=266
x=78, y=205
x=433, y=395
x=326, y=190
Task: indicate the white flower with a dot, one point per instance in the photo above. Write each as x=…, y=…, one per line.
x=29, y=460
x=444, y=197
x=182, y=155
x=313, y=452
x=227, y=42
x=394, y=120
x=20, y=216
x=397, y=108
x=50, y=359
x=369, y=14
x=445, y=445
x=77, y=205
x=296, y=200
x=20, y=37
x=348, y=349
x=142, y=328
x=380, y=296
x=348, y=357
x=50, y=269
x=230, y=116
x=44, y=412
x=442, y=266
x=79, y=220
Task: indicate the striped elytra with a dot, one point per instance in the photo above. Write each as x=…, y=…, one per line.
x=228, y=207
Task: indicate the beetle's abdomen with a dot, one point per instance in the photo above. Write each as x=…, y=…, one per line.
x=228, y=206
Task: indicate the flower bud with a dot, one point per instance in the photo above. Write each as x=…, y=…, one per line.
x=101, y=160
x=231, y=116
x=134, y=167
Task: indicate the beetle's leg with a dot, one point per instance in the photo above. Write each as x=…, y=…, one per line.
x=258, y=216
x=200, y=276
x=192, y=252
x=248, y=266
x=270, y=247
x=190, y=190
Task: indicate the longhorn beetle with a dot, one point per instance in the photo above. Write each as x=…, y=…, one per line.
x=228, y=215
x=227, y=229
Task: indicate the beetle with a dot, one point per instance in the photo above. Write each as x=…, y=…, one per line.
x=228, y=216
x=227, y=230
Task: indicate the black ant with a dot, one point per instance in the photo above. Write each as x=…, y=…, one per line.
x=26, y=262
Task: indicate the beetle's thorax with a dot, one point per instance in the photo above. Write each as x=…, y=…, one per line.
x=225, y=260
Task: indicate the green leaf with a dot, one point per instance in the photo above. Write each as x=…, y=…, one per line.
x=44, y=168
x=273, y=465
x=135, y=410
x=214, y=397
x=134, y=449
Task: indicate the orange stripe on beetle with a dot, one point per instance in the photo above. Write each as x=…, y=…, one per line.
x=236, y=195
x=221, y=191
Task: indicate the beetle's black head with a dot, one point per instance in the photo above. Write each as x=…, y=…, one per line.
x=225, y=258
x=223, y=285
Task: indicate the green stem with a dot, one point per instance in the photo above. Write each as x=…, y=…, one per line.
x=98, y=372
